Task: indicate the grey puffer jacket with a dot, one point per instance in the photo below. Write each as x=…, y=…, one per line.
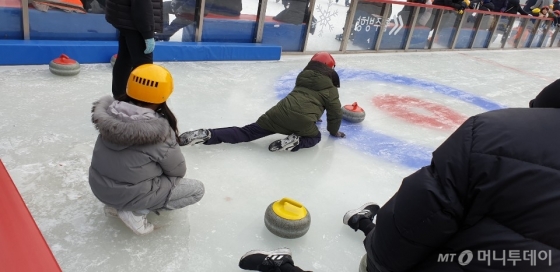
x=136, y=159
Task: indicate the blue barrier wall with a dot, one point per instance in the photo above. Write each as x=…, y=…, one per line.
x=42, y=52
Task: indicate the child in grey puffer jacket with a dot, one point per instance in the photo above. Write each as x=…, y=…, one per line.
x=137, y=166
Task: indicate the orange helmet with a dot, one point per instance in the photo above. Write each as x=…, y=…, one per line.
x=325, y=58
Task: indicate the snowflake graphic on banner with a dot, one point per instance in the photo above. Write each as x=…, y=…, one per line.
x=325, y=16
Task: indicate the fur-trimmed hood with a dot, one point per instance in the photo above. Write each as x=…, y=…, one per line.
x=125, y=124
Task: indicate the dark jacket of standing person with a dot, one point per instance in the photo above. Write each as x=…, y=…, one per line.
x=456, y=4
x=230, y=8
x=528, y=5
x=144, y=16
x=295, y=13
x=187, y=8
x=492, y=187
x=513, y=7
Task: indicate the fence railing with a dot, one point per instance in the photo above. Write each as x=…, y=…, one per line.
x=305, y=26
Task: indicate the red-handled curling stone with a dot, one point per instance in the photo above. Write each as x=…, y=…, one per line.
x=353, y=113
x=113, y=59
x=64, y=66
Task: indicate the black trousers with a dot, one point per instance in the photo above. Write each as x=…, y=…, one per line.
x=251, y=132
x=130, y=55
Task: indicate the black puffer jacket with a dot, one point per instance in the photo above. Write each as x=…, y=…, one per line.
x=514, y=7
x=145, y=16
x=456, y=4
x=493, y=186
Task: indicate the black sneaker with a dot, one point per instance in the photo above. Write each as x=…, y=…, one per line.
x=194, y=137
x=265, y=260
x=287, y=143
x=353, y=217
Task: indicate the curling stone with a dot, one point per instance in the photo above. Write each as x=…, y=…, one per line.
x=64, y=66
x=113, y=59
x=287, y=218
x=353, y=113
x=363, y=264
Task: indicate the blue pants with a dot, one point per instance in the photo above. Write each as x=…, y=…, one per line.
x=251, y=132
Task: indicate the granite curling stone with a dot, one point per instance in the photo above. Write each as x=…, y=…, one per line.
x=287, y=218
x=363, y=264
x=353, y=113
x=113, y=59
x=64, y=66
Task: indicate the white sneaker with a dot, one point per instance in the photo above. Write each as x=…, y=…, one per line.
x=137, y=223
x=194, y=137
x=287, y=143
x=110, y=211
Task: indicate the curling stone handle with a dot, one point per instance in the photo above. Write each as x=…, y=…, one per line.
x=354, y=105
x=64, y=57
x=291, y=205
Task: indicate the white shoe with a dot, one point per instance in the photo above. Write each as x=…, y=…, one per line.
x=194, y=137
x=110, y=211
x=286, y=144
x=137, y=223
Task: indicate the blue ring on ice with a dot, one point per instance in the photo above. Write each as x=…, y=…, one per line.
x=375, y=143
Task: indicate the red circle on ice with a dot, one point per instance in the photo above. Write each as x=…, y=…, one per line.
x=410, y=108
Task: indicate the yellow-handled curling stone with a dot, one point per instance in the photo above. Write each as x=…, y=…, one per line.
x=287, y=218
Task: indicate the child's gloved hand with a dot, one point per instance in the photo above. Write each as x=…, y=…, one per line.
x=150, y=45
x=339, y=134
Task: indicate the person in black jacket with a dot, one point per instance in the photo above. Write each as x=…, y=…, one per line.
x=136, y=20
x=184, y=11
x=297, y=12
x=514, y=7
x=456, y=4
x=488, y=201
x=371, y=10
x=528, y=5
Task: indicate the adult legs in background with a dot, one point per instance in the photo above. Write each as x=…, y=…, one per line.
x=169, y=29
x=130, y=55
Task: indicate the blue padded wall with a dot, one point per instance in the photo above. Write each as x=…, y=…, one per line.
x=42, y=52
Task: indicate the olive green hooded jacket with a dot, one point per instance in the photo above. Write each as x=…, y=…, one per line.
x=298, y=112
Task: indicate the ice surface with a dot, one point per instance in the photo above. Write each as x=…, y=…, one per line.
x=47, y=139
